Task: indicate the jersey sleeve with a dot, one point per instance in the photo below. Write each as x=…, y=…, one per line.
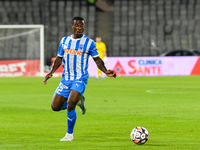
x=60, y=49
x=93, y=50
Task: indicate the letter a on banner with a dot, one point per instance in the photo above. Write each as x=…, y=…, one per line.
x=119, y=69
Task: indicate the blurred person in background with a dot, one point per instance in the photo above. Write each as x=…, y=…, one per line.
x=101, y=47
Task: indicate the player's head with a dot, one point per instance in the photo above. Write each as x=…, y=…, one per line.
x=98, y=39
x=78, y=26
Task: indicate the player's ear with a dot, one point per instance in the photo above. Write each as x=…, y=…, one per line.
x=72, y=26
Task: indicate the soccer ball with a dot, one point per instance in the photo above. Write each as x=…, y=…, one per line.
x=139, y=135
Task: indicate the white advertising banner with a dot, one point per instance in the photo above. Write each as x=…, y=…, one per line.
x=124, y=66
x=150, y=66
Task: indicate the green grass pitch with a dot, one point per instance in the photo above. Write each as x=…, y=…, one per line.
x=168, y=107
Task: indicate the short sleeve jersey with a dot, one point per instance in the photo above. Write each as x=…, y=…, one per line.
x=75, y=54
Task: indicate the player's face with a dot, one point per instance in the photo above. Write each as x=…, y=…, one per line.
x=98, y=39
x=78, y=28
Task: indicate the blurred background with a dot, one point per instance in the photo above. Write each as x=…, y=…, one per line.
x=127, y=27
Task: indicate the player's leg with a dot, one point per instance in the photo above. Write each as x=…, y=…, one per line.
x=58, y=102
x=81, y=104
x=80, y=86
x=73, y=99
x=76, y=93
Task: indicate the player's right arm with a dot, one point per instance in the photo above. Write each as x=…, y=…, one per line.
x=56, y=65
x=57, y=62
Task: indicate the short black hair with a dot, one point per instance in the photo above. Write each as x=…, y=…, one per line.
x=77, y=18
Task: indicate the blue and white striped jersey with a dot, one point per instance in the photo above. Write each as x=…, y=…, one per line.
x=75, y=53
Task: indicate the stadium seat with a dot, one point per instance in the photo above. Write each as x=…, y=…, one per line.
x=133, y=21
x=131, y=45
x=124, y=47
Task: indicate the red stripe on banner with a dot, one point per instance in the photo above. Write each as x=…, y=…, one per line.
x=196, y=69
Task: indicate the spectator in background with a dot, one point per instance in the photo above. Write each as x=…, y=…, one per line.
x=101, y=47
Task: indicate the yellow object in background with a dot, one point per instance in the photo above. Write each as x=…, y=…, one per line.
x=101, y=47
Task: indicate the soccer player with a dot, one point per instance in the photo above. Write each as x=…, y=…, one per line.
x=101, y=47
x=73, y=53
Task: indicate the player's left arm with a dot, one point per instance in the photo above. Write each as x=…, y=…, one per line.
x=100, y=64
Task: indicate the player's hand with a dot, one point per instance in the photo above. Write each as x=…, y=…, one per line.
x=111, y=73
x=48, y=76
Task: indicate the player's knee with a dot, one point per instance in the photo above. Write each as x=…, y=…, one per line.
x=70, y=106
x=55, y=108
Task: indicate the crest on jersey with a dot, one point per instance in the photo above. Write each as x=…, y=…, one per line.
x=81, y=47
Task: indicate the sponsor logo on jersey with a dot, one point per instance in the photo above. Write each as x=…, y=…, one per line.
x=73, y=52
